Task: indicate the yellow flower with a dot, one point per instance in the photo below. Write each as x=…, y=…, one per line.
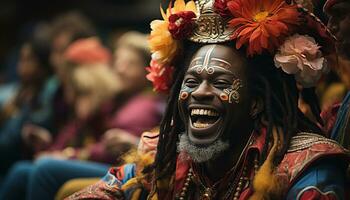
x=162, y=44
x=180, y=5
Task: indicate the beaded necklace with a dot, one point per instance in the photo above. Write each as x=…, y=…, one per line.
x=209, y=191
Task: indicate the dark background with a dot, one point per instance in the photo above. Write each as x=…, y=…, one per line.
x=17, y=18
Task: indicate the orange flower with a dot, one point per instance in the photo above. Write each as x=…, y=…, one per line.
x=261, y=24
x=162, y=44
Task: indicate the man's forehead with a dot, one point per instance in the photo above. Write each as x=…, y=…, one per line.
x=218, y=56
x=218, y=51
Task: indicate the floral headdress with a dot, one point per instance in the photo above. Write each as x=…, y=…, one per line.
x=286, y=29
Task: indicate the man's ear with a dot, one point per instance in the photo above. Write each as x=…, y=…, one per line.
x=256, y=108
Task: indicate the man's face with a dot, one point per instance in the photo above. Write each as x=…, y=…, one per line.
x=339, y=23
x=213, y=99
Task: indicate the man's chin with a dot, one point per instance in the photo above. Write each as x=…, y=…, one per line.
x=205, y=136
x=202, y=151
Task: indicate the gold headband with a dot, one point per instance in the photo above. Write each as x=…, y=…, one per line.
x=210, y=26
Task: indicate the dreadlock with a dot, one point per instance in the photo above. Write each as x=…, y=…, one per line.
x=277, y=90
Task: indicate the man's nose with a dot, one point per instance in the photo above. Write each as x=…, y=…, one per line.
x=203, y=92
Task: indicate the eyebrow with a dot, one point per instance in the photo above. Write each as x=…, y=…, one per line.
x=214, y=66
x=218, y=72
x=194, y=60
x=211, y=59
x=221, y=60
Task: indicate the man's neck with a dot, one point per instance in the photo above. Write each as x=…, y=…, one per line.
x=217, y=168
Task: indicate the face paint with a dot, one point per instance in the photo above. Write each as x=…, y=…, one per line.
x=212, y=86
x=231, y=94
x=185, y=92
x=200, y=67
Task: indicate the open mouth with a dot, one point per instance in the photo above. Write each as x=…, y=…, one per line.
x=203, y=118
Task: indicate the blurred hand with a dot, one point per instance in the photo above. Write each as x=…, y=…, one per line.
x=36, y=137
x=118, y=141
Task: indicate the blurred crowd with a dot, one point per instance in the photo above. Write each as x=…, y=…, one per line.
x=76, y=107
x=80, y=104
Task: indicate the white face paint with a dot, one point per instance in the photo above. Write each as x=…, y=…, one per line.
x=201, y=154
x=209, y=64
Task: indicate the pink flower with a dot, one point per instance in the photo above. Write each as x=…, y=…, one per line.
x=181, y=24
x=160, y=76
x=300, y=55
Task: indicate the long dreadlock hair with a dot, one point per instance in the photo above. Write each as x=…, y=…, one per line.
x=278, y=92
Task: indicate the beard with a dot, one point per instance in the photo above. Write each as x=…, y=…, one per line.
x=200, y=154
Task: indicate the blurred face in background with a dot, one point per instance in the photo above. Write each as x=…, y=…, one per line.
x=129, y=66
x=93, y=85
x=59, y=44
x=28, y=67
x=339, y=23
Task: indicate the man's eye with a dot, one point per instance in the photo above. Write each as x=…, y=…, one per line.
x=222, y=84
x=191, y=82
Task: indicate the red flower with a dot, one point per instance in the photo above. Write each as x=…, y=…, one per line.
x=220, y=7
x=181, y=24
x=160, y=76
x=261, y=24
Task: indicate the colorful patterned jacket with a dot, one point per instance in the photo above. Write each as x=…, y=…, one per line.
x=312, y=169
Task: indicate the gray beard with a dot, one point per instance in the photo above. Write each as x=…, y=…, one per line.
x=201, y=154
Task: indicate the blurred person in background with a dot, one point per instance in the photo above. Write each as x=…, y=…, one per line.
x=131, y=55
x=139, y=110
x=64, y=30
x=339, y=23
x=130, y=100
x=92, y=85
x=30, y=101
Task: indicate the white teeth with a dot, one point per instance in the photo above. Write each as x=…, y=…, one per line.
x=207, y=112
x=200, y=125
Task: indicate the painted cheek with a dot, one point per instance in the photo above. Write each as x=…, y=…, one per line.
x=223, y=96
x=184, y=95
x=231, y=94
x=185, y=92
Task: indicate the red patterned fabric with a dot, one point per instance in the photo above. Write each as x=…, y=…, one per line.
x=292, y=166
x=295, y=163
x=99, y=190
x=314, y=194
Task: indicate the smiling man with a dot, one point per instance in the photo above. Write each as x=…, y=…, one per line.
x=212, y=101
x=232, y=127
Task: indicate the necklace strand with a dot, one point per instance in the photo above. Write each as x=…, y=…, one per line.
x=238, y=190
